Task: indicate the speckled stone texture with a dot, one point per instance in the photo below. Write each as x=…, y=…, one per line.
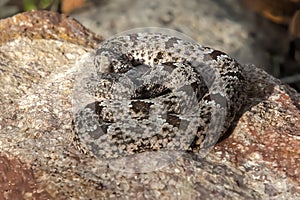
x=223, y=25
x=257, y=159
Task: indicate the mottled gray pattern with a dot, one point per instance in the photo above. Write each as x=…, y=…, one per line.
x=155, y=91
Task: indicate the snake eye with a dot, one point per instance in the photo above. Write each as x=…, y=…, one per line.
x=114, y=63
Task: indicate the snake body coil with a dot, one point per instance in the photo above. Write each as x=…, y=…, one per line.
x=155, y=91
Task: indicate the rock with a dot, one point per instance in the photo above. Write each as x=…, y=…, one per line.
x=46, y=25
x=258, y=159
x=224, y=25
x=278, y=11
x=18, y=182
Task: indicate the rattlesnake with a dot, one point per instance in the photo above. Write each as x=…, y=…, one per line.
x=157, y=91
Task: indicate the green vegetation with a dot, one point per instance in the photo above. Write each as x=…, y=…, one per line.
x=40, y=4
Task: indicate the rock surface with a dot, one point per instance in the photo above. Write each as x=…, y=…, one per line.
x=224, y=25
x=258, y=159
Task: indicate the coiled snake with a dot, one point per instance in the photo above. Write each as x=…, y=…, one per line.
x=155, y=91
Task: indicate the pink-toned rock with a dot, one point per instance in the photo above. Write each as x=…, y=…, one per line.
x=18, y=182
x=257, y=159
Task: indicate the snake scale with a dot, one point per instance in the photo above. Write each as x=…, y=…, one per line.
x=156, y=91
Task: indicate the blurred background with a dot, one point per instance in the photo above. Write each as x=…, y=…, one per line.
x=263, y=32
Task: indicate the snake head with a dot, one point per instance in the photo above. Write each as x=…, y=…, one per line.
x=109, y=61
